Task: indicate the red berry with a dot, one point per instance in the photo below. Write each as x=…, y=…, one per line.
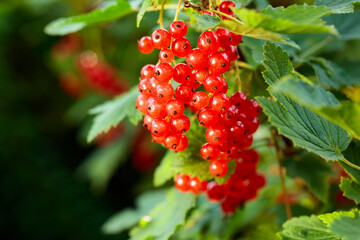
x=209, y=152
x=161, y=38
x=145, y=45
x=207, y=12
x=235, y=39
x=200, y=100
x=178, y=29
x=208, y=117
x=174, y=108
x=225, y=87
x=181, y=47
x=220, y=102
x=184, y=93
x=147, y=71
x=171, y=141
x=254, y=108
x=215, y=192
x=200, y=75
x=163, y=72
x=208, y=42
x=252, y=125
x=245, y=142
x=164, y=92
x=228, y=118
x=144, y=87
x=224, y=36
x=155, y=108
x=180, y=124
x=232, y=52
x=166, y=55
x=218, y=168
x=249, y=156
x=197, y=59
x=216, y=135
x=225, y=7
x=219, y=63
x=184, y=142
x=229, y=205
x=195, y=185
x=153, y=83
x=141, y=103
x=237, y=130
x=159, y=128
x=159, y=140
x=213, y=83
x=238, y=99
x=182, y=182
x=148, y=122
x=182, y=73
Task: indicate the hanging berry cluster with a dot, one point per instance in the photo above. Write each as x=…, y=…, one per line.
x=242, y=186
x=230, y=122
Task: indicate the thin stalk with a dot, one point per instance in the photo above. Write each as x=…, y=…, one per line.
x=281, y=173
x=228, y=16
x=161, y=16
x=316, y=47
x=350, y=164
x=177, y=11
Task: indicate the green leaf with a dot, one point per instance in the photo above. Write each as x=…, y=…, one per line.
x=246, y=30
x=345, y=114
x=128, y=217
x=352, y=154
x=293, y=19
x=165, y=217
x=164, y=172
x=145, y=4
x=313, y=170
x=100, y=166
x=346, y=24
x=309, y=228
x=328, y=218
x=331, y=75
x=108, y=12
x=114, y=111
x=306, y=128
x=201, y=22
x=339, y=6
x=347, y=227
x=351, y=189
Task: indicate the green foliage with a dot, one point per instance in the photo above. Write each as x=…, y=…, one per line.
x=347, y=227
x=351, y=189
x=339, y=6
x=345, y=114
x=100, y=166
x=164, y=172
x=352, y=154
x=202, y=22
x=346, y=24
x=165, y=217
x=108, y=12
x=306, y=128
x=145, y=4
x=328, y=218
x=331, y=75
x=314, y=172
x=310, y=228
x=110, y=113
x=129, y=217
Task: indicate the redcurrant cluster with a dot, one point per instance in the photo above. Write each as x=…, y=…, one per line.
x=163, y=105
x=100, y=75
x=242, y=186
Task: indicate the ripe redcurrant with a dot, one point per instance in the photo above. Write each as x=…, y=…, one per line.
x=161, y=38
x=178, y=29
x=181, y=47
x=145, y=45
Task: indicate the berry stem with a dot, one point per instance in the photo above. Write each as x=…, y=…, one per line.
x=210, y=4
x=228, y=16
x=162, y=14
x=238, y=80
x=281, y=173
x=350, y=164
x=177, y=11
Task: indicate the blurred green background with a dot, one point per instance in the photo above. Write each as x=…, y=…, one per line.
x=42, y=193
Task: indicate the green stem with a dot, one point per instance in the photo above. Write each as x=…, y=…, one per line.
x=228, y=16
x=316, y=47
x=350, y=164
